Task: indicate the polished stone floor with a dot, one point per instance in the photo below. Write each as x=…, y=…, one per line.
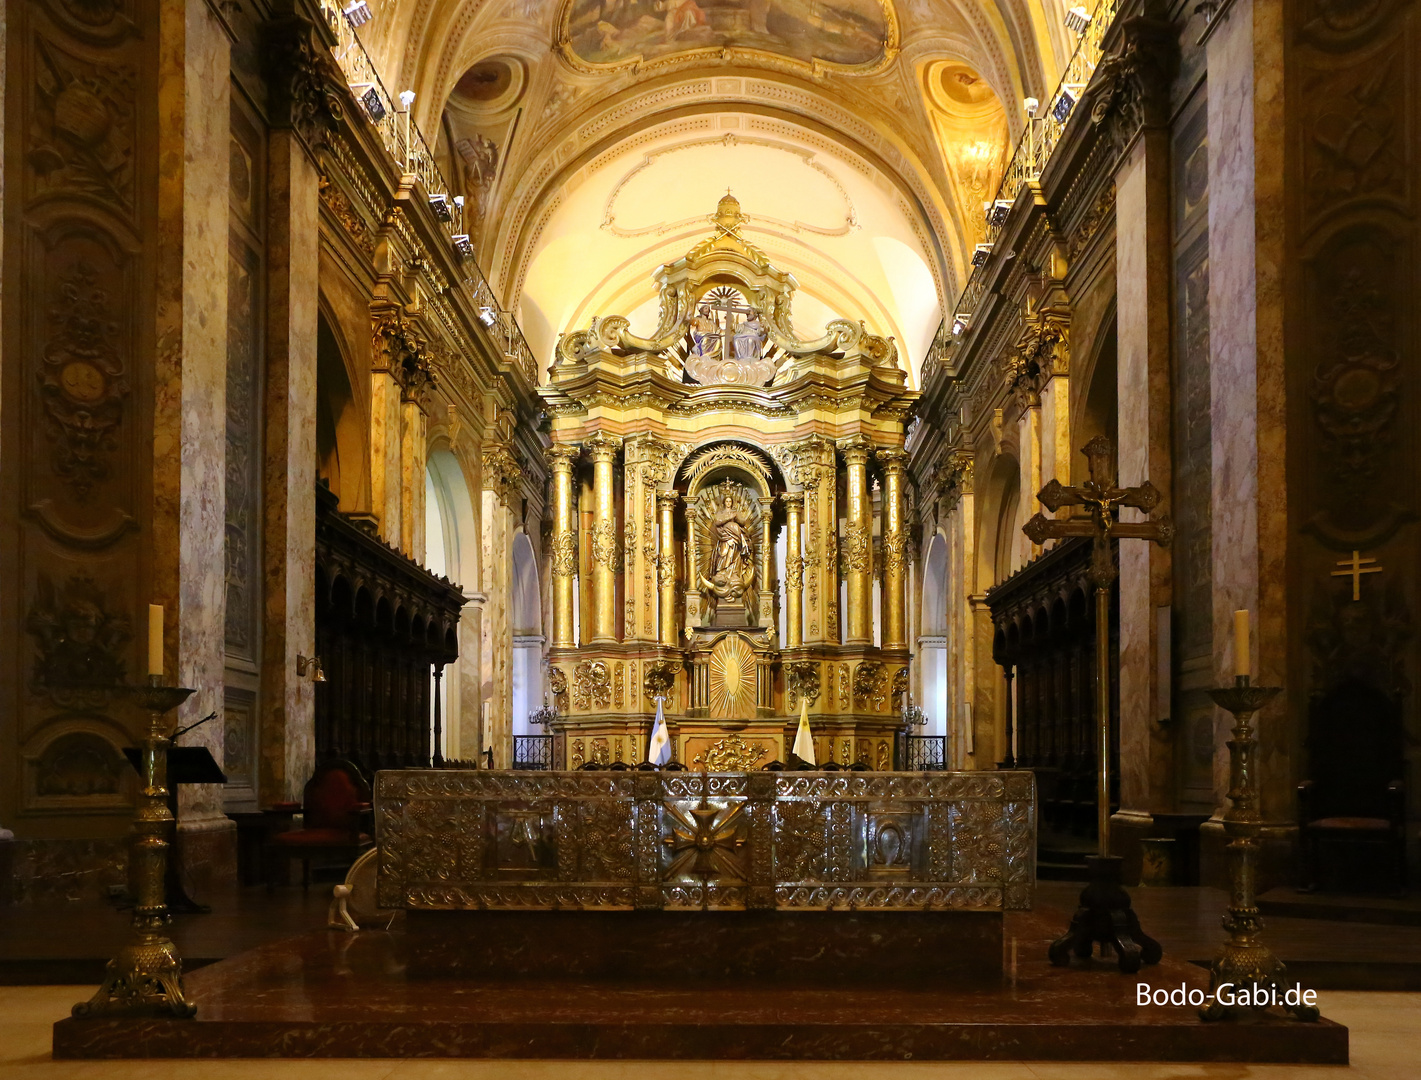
x=1385, y=1045
x=1385, y=1027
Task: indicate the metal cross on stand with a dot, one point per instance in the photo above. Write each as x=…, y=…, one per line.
x=1104, y=915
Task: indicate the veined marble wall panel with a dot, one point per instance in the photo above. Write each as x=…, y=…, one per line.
x=1191, y=710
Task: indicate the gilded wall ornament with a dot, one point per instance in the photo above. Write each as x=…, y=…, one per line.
x=731, y=754
x=898, y=689
x=659, y=677
x=306, y=85
x=557, y=684
x=870, y=683
x=802, y=678
x=592, y=685
x=343, y=210
x=618, y=685
x=503, y=473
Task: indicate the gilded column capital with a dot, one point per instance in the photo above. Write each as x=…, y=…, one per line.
x=562, y=457
x=856, y=450
x=892, y=458
x=667, y=500
x=793, y=501
x=602, y=446
x=503, y=472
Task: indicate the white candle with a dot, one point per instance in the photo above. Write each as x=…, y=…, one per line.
x=1242, y=665
x=155, y=639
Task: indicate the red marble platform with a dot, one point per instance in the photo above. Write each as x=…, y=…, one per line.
x=335, y=995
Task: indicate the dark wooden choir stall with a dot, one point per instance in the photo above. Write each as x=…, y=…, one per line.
x=385, y=629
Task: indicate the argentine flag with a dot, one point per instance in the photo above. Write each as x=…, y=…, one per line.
x=658, y=751
x=803, y=740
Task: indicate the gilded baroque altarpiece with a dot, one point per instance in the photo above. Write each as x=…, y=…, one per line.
x=725, y=498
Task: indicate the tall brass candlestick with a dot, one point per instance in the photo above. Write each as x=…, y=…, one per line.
x=146, y=977
x=1245, y=963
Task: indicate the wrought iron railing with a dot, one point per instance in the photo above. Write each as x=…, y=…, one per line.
x=532, y=751
x=924, y=752
x=1028, y=161
x=405, y=144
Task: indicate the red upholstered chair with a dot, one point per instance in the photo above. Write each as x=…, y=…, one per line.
x=335, y=808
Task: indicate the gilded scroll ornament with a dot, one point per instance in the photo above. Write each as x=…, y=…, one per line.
x=858, y=548
x=869, y=685
x=898, y=688
x=557, y=683
x=618, y=685
x=592, y=685
x=605, y=549
x=660, y=676
x=579, y=755
x=731, y=754
x=565, y=554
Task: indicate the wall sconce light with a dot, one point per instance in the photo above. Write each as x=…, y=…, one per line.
x=980, y=254
x=1031, y=105
x=440, y=205
x=311, y=664
x=462, y=244
x=406, y=99
x=1065, y=103
x=1077, y=19
x=488, y=316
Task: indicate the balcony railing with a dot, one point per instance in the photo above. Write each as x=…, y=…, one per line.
x=405, y=144
x=532, y=751
x=1028, y=162
x=924, y=752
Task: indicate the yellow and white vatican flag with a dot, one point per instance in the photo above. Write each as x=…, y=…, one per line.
x=658, y=750
x=803, y=740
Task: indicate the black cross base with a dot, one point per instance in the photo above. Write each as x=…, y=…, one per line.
x=1105, y=917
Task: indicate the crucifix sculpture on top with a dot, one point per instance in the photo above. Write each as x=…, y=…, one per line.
x=1104, y=915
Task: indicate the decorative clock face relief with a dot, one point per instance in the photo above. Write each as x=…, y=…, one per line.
x=845, y=33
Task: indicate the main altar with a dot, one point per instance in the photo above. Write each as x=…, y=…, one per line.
x=727, y=516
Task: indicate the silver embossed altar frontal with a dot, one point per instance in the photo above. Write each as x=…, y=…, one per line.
x=453, y=839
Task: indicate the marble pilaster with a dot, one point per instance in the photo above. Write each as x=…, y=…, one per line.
x=413, y=423
x=1143, y=273
x=496, y=627
x=190, y=387
x=1246, y=261
x=288, y=752
x=385, y=439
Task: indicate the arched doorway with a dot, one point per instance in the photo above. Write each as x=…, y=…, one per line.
x=527, y=615
x=450, y=550
x=932, y=644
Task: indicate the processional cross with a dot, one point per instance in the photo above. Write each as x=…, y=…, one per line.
x=1104, y=914
x=1103, y=498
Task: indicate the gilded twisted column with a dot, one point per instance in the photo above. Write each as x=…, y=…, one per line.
x=666, y=566
x=895, y=542
x=563, y=459
x=606, y=545
x=794, y=570
x=858, y=543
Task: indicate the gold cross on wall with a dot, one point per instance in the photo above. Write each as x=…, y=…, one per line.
x=1354, y=569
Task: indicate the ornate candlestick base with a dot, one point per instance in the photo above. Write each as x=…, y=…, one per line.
x=1245, y=973
x=146, y=977
x=1105, y=916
